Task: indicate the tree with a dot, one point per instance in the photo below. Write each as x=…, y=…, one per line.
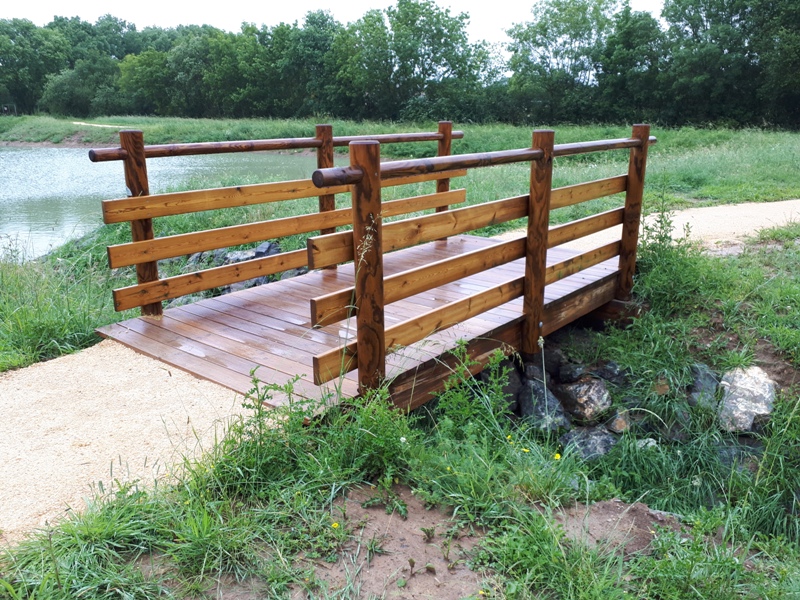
x=553, y=58
x=628, y=68
x=73, y=91
x=28, y=54
x=712, y=73
x=145, y=79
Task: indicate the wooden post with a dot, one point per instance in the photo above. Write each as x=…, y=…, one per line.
x=445, y=147
x=367, y=241
x=136, y=180
x=633, y=212
x=536, y=244
x=325, y=161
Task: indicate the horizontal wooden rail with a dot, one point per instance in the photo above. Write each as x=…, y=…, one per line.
x=336, y=305
x=132, y=253
x=190, y=283
x=178, y=203
x=350, y=175
x=334, y=363
x=574, y=230
x=582, y=192
x=326, y=250
x=164, y=150
x=580, y=262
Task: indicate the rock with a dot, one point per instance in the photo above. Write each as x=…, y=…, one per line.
x=620, y=422
x=219, y=257
x=553, y=359
x=540, y=408
x=184, y=300
x=590, y=442
x=747, y=401
x=611, y=372
x=740, y=456
x=237, y=256
x=244, y=285
x=570, y=372
x=510, y=389
x=534, y=372
x=267, y=249
x=645, y=443
x=586, y=399
x=703, y=391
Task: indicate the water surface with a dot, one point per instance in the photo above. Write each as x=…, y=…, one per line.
x=49, y=195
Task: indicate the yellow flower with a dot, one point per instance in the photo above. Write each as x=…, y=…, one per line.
x=508, y=437
x=449, y=469
x=335, y=525
x=525, y=450
x=556, y=456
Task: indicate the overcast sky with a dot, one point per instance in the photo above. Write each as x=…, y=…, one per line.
x=488, y=19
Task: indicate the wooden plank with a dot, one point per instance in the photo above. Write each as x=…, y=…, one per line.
x=580, y=262
x=582, y=192
x=327, y=201
x=181, y=285
x=337, y=248
x=583, y=227
x=178, y=203
x=408, y=332
x=637, y=165
x=444, y=148
x=367, y=238
x=336, y=305
x=541, y=180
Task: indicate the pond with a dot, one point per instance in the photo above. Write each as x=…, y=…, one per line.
x=50, y=195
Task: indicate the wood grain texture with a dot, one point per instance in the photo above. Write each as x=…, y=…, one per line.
x=338, y=248
x=444, y=148
x=575, y=194
x=367, y=239
x=327, y=202
x=633, y=212
x=135, y=167
x=541, y=184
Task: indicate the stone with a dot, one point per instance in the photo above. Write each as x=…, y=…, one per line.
x=612, y=373
x=533, y=371
x=237, y=256
x=590, y=442
x=267, y=249
x=747, y=401
x=646, y=443
x=620, y=422
x=540, y=408
x=553, y=359
x=703, y=391
x=570, y=372
x=586, y=399
x=294, y=273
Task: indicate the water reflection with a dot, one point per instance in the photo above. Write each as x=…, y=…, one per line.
x=49, y=195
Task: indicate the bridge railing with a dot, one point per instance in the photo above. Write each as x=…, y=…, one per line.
x=145, y=250
x=370, y=238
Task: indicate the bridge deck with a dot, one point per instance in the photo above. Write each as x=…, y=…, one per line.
x=267, y=328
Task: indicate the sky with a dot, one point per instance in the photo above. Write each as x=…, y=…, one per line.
x=488, y=20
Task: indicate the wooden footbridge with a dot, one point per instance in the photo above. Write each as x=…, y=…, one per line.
x=384, y=302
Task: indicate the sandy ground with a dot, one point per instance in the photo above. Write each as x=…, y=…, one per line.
x=108, y=414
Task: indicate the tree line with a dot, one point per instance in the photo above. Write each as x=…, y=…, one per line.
x=733, y=62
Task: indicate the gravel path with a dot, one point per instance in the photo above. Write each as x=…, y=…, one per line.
x=107, y=413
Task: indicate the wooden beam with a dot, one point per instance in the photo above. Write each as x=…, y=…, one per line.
x=633, y=211
x=575, y=194
x=582, y=227
x=444, y=148
x=368, y=241
x=541, y=183
x=327, y=201
x=135, y=166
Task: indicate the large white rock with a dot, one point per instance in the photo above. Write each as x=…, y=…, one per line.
x=747, y=401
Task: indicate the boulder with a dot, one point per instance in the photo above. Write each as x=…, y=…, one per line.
x=703, y=391
x=570, y=372
x=747, y=400
x=540, y=408
x=590, y=442
x=586, y=399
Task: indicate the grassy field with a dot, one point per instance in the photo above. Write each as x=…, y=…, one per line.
x=261, y=507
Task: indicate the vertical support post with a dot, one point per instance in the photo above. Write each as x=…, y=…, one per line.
x=327, y=202
x=367, y=242
x=136, y=179
x=633, y=212
x=536, y=243
x=445, y=147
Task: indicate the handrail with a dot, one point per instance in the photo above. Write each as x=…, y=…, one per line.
x=351, y=175
x=164, y=150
